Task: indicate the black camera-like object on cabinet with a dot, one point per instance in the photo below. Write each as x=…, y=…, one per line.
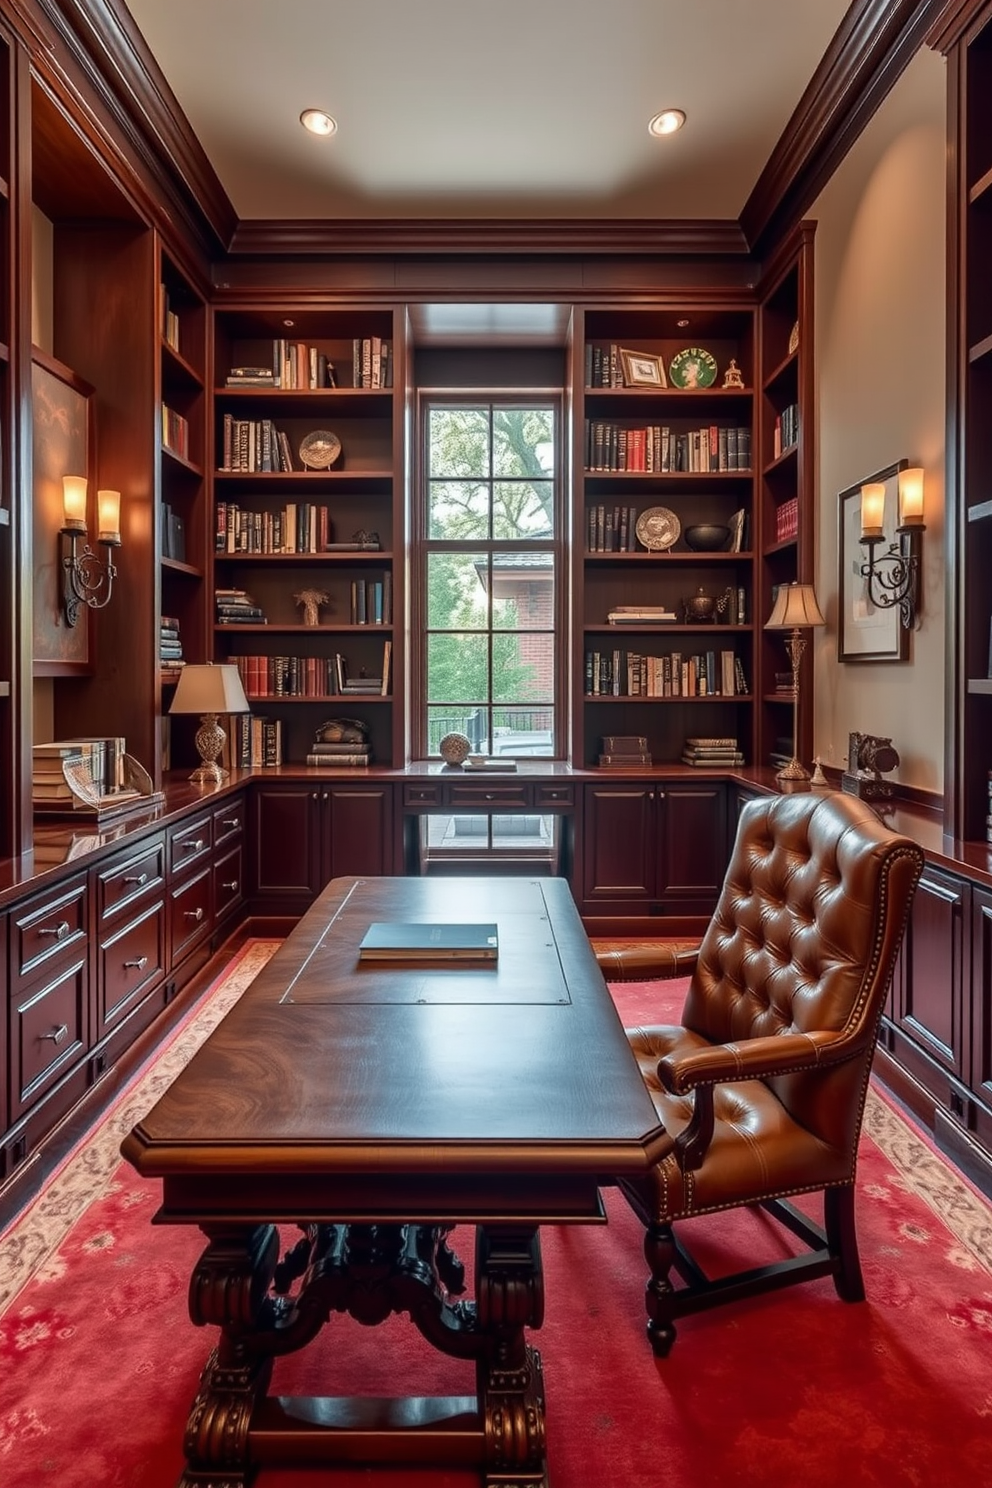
x=869, y=757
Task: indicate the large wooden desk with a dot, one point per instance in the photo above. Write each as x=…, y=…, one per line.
x=376, y=1108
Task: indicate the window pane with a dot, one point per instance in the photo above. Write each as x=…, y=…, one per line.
x=523, y=591
x=523, y=667
x=523, y=509
x=456, y=591
x=456, y=719
x=523, y=441
x=457, y=668
x=526, y=731
x=459, y=442
x=459, y=511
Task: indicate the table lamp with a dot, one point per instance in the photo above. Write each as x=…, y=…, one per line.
x=795, y=610
x=209, y=690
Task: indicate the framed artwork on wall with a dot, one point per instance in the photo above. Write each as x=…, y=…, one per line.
x=867, y=631
x=63, y=445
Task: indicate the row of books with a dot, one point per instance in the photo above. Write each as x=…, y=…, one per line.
x=622, y=673
x=173, y=534
x=294, y=365
x=236, y=607
x=712, y=753
x=101, y=761
x=611, y=529
x=298, y=527
x=254, y=446
x=170, y=322
x=786, y=431
x=615, y=447
x=372, y=601
x=372, y=362
x=252, y=741
x=603, y=366
x=621, y=751
x=787, y=519
x=310, y=676
x=175, y=431
x=170, y=646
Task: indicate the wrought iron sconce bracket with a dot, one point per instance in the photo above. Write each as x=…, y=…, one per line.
x=893, y=577
x=88, y=580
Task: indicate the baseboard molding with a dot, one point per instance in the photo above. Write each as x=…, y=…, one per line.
x=959, y=1145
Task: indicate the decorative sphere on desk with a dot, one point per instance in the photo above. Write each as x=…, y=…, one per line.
x=455, y=749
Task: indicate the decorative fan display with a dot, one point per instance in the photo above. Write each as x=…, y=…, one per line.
x=319, y=449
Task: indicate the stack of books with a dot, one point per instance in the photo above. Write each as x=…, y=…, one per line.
x=236, y=607
x=48, y=783
x=340, y=756
x=170, y=646
x=640, y=614
x=710, y=754
x=621, y=751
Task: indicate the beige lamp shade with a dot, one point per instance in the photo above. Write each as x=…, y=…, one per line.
x=795, y=608
x=209, y=689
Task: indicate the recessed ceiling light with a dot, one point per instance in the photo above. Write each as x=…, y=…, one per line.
x=667, y=122
x=318, y=122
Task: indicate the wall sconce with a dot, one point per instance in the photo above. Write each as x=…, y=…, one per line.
x=795, y=610
x=894, y=576
x=88, y=581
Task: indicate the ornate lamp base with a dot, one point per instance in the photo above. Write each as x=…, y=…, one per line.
x=209, y=743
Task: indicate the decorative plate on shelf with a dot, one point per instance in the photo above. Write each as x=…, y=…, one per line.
x=692, y=368
x=658, y=528
x=319, y=449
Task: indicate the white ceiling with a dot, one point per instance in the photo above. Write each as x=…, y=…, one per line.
x=472, y=108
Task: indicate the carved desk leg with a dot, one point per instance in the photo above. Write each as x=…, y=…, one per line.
x=229, y=1288
x=510, y=1298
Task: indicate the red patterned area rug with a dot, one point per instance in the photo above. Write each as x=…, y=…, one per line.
x=99, y=1362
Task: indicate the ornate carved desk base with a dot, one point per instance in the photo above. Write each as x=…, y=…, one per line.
x=266, y=1307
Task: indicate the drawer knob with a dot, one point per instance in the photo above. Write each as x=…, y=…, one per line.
x=59, y=931
x=231, y=821
x=193, y=914
x=233, y=886
x=489, y=796
x=194, y=844
x=139, y=963
x=57, y=1034
x=137, y=878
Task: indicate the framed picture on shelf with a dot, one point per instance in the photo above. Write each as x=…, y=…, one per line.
x=641, y=369
x=867, y=631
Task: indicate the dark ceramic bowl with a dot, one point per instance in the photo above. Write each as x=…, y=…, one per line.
x=707, y=537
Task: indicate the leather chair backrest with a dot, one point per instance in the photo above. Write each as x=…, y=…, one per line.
x=804, y=938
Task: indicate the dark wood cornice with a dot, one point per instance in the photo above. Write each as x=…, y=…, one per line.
x=104, y=43
x=488, y=236
x=956, y=17
x=874, y=43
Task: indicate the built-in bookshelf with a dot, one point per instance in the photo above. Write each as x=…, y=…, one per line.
x=13, y=813
x=784, y=485
x=664, y=647
x=307, y=512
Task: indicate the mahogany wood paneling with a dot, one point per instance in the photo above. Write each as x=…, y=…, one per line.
x=693, y=840
x=357, y=830
x=935, y=962
x=283, y=853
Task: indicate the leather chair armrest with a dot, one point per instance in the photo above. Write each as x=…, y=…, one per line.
x=754, y=1059
x=650, y=962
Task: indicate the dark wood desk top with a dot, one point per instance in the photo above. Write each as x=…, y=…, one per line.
x=338, y=1090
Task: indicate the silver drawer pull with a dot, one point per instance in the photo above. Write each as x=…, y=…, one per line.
x=193, y=914
x=233, y=886
x=195, y=845
x=231, y=821
x=137, y=878
x=59, y=931
x=57, y=1034
x=139, y=963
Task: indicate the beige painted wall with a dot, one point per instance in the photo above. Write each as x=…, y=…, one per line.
x=880, y=336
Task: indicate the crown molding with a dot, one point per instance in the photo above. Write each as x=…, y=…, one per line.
x=871, y=48
x=955, y=19
x=500, y=236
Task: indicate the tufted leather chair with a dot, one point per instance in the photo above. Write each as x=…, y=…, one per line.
x=761, y=1090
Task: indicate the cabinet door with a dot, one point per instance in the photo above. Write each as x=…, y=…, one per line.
x=980, y=1063
x=929, y=1000
x=691, y=844
x=284, y=841
x=619, y=851
x=358, y=830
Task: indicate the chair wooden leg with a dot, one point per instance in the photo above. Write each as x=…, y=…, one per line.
x=842, y=1240
x=659, y=1252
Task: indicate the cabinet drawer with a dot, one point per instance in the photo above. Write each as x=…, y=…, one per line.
x=189, y=914
x=489, y=797
x=128, y=877
x=228, y=882
x=547, y=793
x=48, y=1031
x=49, y=924
x=422, y=795
x=229, y=822
x=189, y=843
x=131, y=961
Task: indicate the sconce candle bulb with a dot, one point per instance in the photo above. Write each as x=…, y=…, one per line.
x=911, y=497
x=74, y=504
x=872, y=510
x=108, y=518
